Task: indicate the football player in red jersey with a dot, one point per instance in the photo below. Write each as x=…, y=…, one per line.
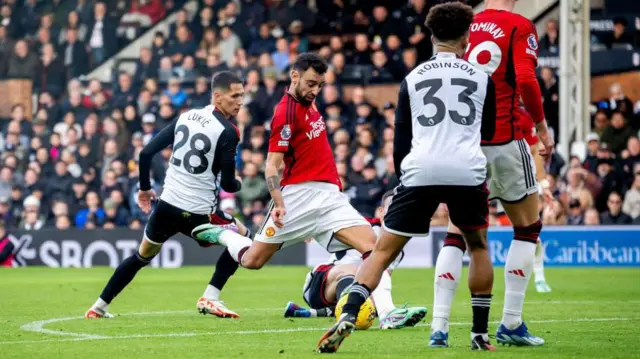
x=308, y=202
x=505, y=45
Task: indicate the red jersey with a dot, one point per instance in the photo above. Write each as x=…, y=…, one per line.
x=300, y=132
x=505, y=45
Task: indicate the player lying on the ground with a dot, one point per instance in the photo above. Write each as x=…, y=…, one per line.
x=446, y=106
x=203, y=160
x=512, y=45
x=326, y=284
x=310, y=203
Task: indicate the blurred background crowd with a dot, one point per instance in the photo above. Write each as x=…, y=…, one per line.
x=71, y=162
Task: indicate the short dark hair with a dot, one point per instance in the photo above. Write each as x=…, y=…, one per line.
x=307, y=60
x=449, y=21
x=223, y=81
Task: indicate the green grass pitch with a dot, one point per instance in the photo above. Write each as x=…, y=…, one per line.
x=591, y=313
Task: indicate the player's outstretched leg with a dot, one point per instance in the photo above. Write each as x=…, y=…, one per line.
x=392, y=317
x=447, y=277
x=538, y=270
x=210, y=302
x=292, y=310
x=368, y=276
x=122, y=276
x=517, y=271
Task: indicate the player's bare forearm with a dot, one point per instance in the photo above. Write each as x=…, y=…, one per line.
x=272, y=175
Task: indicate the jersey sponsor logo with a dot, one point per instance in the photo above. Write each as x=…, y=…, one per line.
x=532, y=42
x=316, y=129
x=283, y=143
x=285, y=133
x=270, y=231
x=489, y=27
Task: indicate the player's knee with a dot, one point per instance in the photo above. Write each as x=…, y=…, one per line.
x=148, y=248
x=455, y=240
x=529, y=233
x=252, y=262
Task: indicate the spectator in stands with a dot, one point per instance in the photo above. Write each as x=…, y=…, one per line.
x=49, y=75
x=614, y=215
x=102, y=34
x=125, y=94
x=22, y=63
x=409, y=60
x=201, y=96
x=202, y=22
x=361, y=55
x=550, y=95
x=619, y=37
x=550, y=41
x=93, y=214
x=618, y=101
x=73, y=22
x=631, y=204
x=146, y=67
x=208, y=44
x=75, y=58
x=47, y=22
x=84, y=8
x=618, y=133
x=29, y=17
x=7, y=20
x=183, y=45
x=253, y=185
x=262, y=43
x=228, y=45
x=182, y=19
x=298, y=41
x=31, y=218
x=381, y=72
x=187, y=72
x=176, y=94
x=159, y=46
x=591, y=217
x=416, y=34
x=6, y=48
x=43, y=38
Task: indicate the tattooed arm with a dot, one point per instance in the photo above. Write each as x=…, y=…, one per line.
x=272, y=175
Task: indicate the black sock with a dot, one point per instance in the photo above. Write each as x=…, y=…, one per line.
x=344, y=283
x=357, y=296
x=123, y=275
x=480, y=303
x=225, y=268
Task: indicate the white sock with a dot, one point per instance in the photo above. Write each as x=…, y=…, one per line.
x=517, y=271
x=211, y=293
x=382, y=296
x=447, y=278
x=234, y=243
x=100, y=306
x=538, y=262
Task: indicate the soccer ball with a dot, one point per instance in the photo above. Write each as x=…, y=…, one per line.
x=366, y=316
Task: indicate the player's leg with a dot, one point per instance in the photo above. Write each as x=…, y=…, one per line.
x=160, y=227
x=469, y=210
x=404, y=219
x=538, y=263
x=448, y=272
x=514, y=184
x=226, y=267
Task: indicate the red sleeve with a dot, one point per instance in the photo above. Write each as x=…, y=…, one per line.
x=526, y=59
x=282, y=127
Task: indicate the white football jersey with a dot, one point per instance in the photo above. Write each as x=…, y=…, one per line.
x=193, y=178
x=443, y=99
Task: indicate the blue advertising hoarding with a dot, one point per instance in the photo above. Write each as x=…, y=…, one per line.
x=609, y=246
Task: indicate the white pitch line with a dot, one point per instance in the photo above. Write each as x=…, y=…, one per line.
x=85, y=337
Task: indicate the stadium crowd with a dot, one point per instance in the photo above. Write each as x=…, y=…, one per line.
x=73, y=162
